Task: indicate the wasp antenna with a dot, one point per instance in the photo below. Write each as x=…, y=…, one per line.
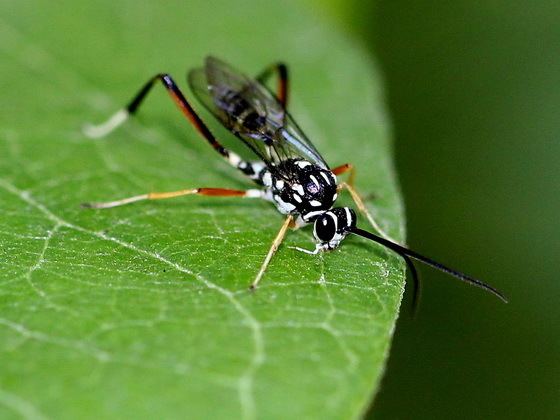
x=405, y=252
x=416, y=285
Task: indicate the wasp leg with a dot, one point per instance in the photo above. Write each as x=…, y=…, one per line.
x=347, y=167
x=349, y=185
x=215, y=192
x=283, y=81
x=318, y=248
x=101, y=130
x=362, y=207
x=274, y=247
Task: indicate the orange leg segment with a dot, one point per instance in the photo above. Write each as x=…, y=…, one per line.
x=213, y=192
x=342, y=169
x=349, y=185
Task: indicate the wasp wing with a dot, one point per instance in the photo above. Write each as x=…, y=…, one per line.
x=253, y=113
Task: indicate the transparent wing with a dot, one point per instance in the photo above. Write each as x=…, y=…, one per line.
x=253, y=113
x=299, y=143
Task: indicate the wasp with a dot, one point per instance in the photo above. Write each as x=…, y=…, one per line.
x=287, y=169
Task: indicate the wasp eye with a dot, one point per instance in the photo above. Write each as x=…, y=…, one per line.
x=325, y=227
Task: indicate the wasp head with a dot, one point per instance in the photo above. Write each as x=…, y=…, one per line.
x=331, y=227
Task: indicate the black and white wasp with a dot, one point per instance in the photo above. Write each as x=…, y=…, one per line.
x=289, y=171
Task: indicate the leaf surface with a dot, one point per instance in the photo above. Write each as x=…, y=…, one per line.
x=143, y=310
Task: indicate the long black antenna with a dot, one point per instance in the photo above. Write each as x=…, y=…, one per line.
x=405, y=252
x=416, y=285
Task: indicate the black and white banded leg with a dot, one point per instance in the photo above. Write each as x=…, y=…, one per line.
x=103, y=129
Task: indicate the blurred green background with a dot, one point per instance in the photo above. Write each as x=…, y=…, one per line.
x=473, y=89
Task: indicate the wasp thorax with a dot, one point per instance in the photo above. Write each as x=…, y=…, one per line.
x=303, y=188
x=332, y=226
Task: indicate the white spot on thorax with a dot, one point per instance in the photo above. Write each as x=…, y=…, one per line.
x=326, y=178
x=315, y=181
x=302, y=163
x=282, y=206
x=298, y=188
x=315, y=203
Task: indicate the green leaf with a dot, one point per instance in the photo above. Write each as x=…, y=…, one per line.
x=143, y=310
